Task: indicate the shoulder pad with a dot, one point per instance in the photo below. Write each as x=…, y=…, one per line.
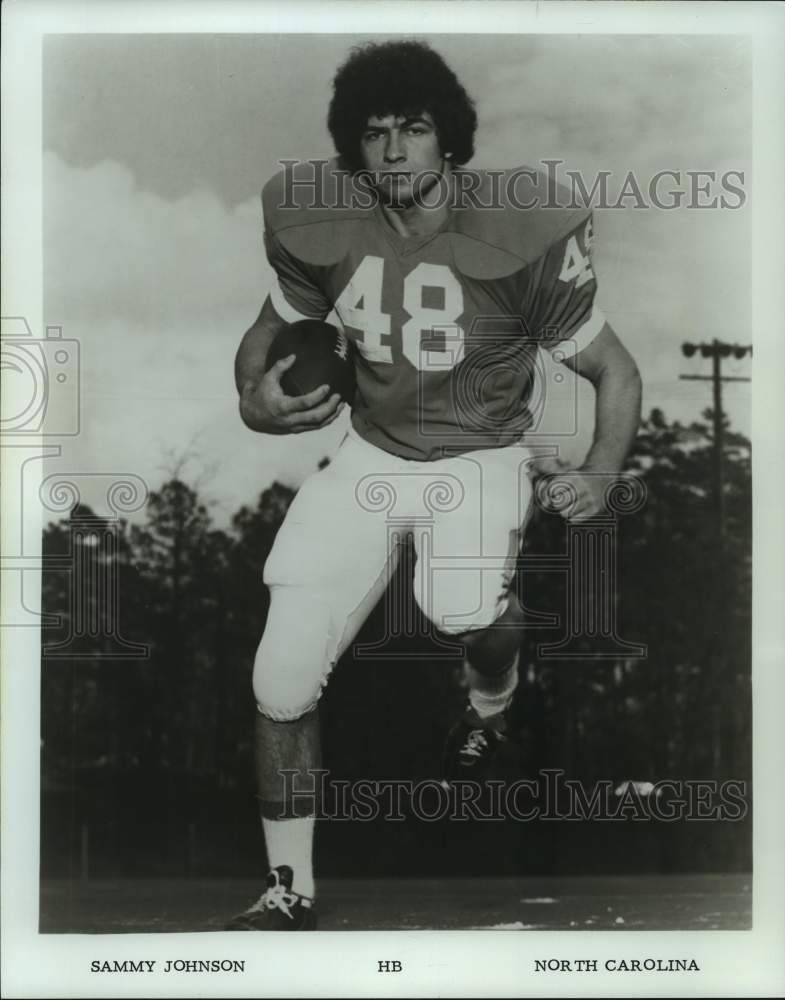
x=313, y=208
x=510, y=220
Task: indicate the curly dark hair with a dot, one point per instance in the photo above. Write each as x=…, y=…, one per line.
x=400, y=78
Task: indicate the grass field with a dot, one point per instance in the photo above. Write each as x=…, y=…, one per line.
x=646, y=902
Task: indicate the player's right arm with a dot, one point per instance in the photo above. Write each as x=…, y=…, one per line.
x=264, y=406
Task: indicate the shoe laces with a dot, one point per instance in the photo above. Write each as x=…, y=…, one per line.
x=276, y=897
x=476, y=743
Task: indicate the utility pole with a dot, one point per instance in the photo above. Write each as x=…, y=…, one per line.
x=717, y=350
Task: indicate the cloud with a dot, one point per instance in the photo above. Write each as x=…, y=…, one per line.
x=159, y=294
x=134, y=254
x=621, y=102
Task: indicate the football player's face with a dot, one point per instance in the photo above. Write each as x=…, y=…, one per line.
x=399, y=149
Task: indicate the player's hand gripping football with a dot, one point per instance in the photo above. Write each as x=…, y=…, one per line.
x=574, y=494
x=273, y=412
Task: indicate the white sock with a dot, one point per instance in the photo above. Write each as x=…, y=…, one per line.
x=491, y=695
x=290, y=842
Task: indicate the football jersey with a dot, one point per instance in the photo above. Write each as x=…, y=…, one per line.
x=447, y=325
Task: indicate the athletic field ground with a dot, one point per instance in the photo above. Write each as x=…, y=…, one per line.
x=645, y=902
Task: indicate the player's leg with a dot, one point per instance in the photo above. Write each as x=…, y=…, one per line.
x=466, y=589
x=491, y=667
x=291, y=659
x=328, y=567
x=307, y=632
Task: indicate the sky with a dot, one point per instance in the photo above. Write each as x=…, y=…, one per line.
x=156, y=148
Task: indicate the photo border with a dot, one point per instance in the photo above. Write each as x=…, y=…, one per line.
x=435, y=963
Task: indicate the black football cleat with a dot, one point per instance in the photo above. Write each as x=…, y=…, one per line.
x=474, y=746
x=277, y=909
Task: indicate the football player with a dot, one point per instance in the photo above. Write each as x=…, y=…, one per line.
x=448, y=282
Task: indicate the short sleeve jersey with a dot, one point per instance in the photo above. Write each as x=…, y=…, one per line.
x=446, y=326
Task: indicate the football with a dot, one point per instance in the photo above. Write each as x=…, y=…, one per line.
x=324, y=356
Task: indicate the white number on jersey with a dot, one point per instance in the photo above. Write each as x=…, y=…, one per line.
x=360, y=306
x=427, y=319
x=576, y=264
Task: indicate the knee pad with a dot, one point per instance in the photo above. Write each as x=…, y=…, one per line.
x=294, y=658
x=491, y=650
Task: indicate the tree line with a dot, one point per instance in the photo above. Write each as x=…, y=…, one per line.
x=147, y=710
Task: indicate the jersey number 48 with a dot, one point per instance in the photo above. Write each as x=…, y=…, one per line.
x=360, y=307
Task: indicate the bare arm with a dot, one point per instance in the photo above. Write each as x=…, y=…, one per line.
x=252, y=352
x=610, y=368
x=264, y=406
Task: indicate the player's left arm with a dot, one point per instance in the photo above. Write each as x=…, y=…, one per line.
x=611, y=369
x=563, y=307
